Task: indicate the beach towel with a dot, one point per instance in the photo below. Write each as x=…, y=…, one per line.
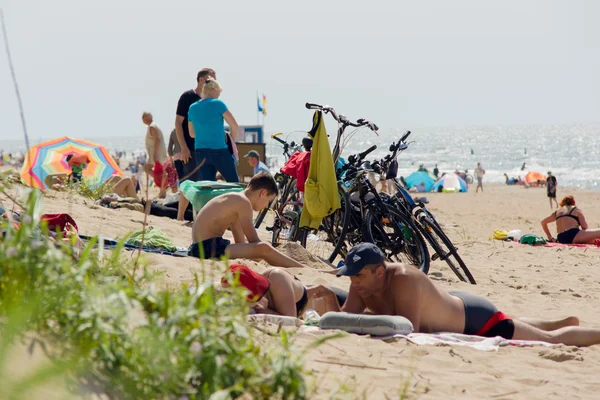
x=264, y=319
x=580, y=245
x=201, y=192
x=108, y=244
x=154, y=238
x=476, y=342
x=457, y=339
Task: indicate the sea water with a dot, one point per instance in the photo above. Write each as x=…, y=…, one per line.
x=569, y=151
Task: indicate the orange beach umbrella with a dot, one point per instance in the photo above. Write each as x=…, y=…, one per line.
x=532, y=177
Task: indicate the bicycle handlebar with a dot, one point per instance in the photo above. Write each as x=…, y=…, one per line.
x=403, y=138
x=362, y=155
x=358, y=158
x=342, y=118
x=279, y=140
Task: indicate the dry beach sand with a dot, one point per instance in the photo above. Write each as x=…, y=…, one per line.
x=520, y=280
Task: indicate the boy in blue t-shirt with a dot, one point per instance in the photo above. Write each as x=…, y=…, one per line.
x=206, y=125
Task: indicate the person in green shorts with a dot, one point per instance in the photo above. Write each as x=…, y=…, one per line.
x=77, y=162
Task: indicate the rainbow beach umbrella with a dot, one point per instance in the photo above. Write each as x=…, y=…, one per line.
x=50, y=158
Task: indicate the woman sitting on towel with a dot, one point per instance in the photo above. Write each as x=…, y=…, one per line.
x=276, y=291
x=568, y=219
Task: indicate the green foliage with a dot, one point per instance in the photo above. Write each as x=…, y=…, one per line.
x=91, y=189
x=118, y=334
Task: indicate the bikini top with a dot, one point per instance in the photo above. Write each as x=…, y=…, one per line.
x=568, y=215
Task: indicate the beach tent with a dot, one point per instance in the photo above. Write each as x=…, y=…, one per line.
x=450, y=183
x=422, y=180
x=533, y=177
x=50, y=158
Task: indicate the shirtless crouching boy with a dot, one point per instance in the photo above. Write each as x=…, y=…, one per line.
x=397, y=289
x=234, y=210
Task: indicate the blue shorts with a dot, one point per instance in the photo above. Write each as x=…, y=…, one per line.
x=216, y=160
x=213, y=248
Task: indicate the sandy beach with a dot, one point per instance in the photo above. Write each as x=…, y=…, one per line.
x=521, y=280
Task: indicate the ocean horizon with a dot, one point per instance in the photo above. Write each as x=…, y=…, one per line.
x=568, y=150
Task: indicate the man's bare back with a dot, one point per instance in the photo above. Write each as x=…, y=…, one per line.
x=219, y=214
x=408, y=292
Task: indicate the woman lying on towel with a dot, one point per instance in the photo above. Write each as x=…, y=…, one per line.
x=568, y=219
x=276, y=291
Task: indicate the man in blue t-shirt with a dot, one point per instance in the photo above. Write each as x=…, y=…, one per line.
x=254, y=160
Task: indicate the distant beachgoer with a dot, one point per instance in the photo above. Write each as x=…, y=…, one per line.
x=276, y=291
x=568, y=220
x=510, y=181
x=436, y=171
x=479, y=172
x=123, y=187
x=523, y=167
x=174, y=151
x=156, y=165
x=206, y=125
x=551, y=185
x=77, y=162
x=525, y=150
x=253, y=159
x=472, y=152
x=383, y=288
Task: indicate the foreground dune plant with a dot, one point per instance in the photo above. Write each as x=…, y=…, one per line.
x=125, y=338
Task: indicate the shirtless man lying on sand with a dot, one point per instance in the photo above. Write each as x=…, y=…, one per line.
x=234, y=210
x=397, y=289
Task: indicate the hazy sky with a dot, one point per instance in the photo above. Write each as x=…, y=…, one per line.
x=90, y=68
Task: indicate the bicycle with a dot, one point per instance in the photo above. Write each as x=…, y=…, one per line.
x=283, y=181
x=425, y=221
x=396, y=235
x=375, y=219
x=330, y=235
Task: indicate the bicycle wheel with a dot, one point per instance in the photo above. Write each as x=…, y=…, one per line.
x=442, y=246
x=328, y=241
x=287, y=218
x=398, y=237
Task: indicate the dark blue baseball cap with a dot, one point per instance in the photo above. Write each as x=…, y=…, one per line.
x=359, y=256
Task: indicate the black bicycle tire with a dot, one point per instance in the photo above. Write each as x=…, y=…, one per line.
x=406, y=220
x=289, y=190
x=344, y=205
x=260, y=218
x=424, y=222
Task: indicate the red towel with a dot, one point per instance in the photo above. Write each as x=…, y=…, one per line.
x=297, y=166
